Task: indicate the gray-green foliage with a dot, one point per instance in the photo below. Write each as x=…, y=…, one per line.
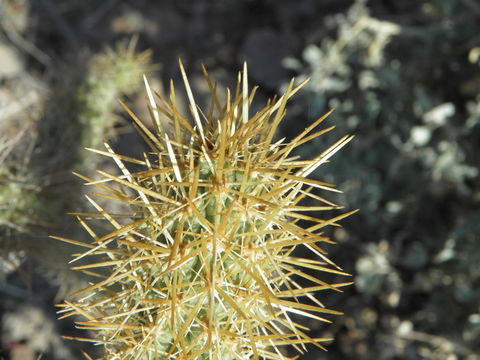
x=409, y=95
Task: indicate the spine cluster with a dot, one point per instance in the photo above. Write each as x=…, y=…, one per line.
x=202, y=266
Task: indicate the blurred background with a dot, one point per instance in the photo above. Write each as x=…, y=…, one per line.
x=403, y=77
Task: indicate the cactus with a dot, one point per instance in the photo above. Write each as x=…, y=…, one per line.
x=110, y=73
x=81, y=114
x=202, y=265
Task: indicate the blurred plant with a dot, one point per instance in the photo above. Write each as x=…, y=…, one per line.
x=79, y=114
x=410, y=94
x=359, y=35
x=203, y=266
x=89, y=99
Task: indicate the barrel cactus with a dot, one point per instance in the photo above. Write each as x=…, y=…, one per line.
x=201, y=266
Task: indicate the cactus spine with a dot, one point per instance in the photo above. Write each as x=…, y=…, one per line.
x=202, y=266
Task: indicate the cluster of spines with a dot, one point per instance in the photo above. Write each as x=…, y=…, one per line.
x=202, y=267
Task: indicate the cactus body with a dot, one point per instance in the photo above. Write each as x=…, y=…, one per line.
x=202, y=266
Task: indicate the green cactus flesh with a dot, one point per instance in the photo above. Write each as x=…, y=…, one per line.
x=202, y=266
